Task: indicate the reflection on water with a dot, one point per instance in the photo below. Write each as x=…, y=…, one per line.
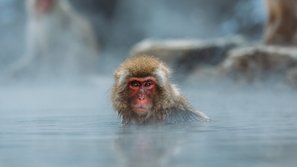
x=145, y=146
x=74, y=126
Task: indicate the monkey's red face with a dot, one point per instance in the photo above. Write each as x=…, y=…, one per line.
x=44, y=6
x=141, y=91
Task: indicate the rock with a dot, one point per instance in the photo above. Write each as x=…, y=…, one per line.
x=260, y=63
x=186, y=55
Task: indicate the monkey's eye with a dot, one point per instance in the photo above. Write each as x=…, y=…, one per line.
x=134, y=84
x=148, y=83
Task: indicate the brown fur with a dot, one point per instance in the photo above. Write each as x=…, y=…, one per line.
x=165, y=101
x=139, y=66
x=281, y=27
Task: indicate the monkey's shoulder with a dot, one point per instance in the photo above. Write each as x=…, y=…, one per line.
x=185, y=116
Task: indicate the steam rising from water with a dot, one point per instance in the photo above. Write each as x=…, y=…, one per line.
x=74, y=125
x=50, y=123
x=135, y=20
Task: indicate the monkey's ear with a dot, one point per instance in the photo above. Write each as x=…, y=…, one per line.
x=162, y=74
x=121, y=76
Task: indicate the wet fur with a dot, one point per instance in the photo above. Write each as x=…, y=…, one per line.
x=168, y=103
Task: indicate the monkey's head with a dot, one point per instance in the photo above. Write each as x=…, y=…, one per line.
x=142, y=88
x=41, y=7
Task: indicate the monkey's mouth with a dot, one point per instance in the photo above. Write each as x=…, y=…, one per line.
x=141, y=110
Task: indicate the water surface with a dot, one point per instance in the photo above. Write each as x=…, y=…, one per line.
x=74, y=126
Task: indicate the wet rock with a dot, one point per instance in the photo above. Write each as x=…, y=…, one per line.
x=261, y=63
x=187, y=55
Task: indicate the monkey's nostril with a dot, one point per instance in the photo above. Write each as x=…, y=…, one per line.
x=141, y=97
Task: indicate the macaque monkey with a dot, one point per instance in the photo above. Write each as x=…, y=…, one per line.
x=60, y=42
x=142, y=93
x=281, y=27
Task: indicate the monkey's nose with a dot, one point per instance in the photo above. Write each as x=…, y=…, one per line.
x=141, y=97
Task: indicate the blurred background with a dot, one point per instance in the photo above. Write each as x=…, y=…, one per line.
x=121, y=24
x=56, y=73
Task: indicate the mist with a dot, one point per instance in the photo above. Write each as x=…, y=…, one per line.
x=52, y=116
x=120, y=25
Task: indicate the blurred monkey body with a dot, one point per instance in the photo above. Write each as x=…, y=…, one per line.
x=44, y=6
x=60, y=42
x=142, y=93
x=281, y=27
